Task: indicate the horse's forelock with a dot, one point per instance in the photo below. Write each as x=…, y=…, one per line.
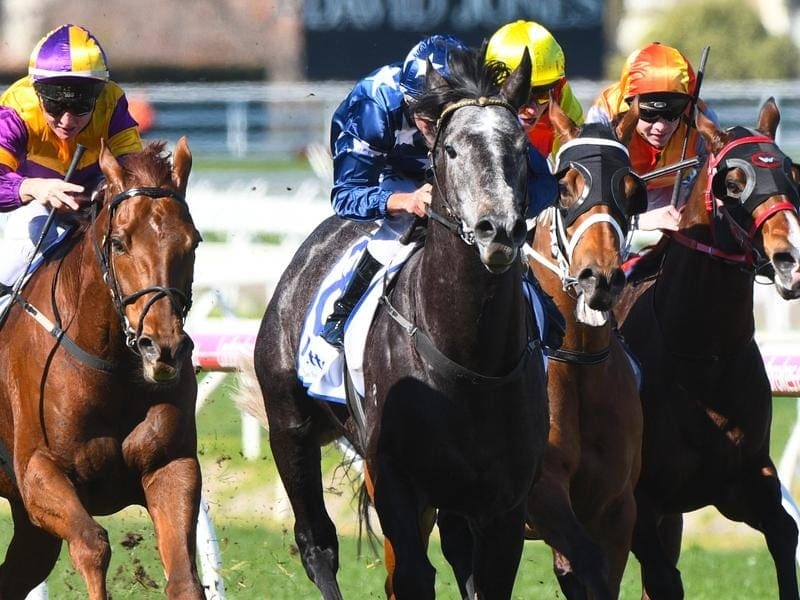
x=151, y=166
x=469, y=76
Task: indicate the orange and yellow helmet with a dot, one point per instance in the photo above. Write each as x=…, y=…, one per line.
x=507, y=43
x=656, y=68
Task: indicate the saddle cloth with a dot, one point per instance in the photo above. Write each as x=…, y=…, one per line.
x=320, y=366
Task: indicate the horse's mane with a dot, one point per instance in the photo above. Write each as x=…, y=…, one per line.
x=469, y=76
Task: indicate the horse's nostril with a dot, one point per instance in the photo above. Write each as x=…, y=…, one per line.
x=485, y=229
x=618, y=279
x=147, y=347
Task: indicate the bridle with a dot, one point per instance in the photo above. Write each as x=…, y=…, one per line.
x=452, y=221
x=181, y=300
x=562, y=245
x=757, y=191
x=422, y=343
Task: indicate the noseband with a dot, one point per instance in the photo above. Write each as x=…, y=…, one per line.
x=453, y=221
x=181, y=301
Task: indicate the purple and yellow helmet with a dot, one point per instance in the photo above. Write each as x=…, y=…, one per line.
x=71, y=52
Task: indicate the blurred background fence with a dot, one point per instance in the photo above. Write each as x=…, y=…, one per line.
x=275, y=121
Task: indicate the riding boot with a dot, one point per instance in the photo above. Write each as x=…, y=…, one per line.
x=555, y=326
x=333, y=330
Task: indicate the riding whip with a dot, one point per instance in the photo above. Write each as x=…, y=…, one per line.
x=692, y=111
x=79, y=150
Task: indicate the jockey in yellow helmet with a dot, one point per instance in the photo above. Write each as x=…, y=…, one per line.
x=548, y=78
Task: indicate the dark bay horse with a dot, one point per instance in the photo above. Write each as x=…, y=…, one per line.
x=583, y=504
x=456, y=411
x=706, y=397
x=98, y=414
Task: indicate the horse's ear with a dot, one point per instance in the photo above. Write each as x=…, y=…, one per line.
x=769, y=117
x=434, y=79
x=181, y=165
x=115, y=175
x=714, y=138
x=517, y=87
x=627, y=124
x=564, y=127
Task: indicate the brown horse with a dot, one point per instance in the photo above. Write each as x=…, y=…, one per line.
x=98, y=404
x=583, y=504
x=706, y=397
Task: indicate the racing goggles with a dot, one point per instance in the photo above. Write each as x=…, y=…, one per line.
x=668, y=108
x=78, y=100
x=77, y=107
x=541, y=94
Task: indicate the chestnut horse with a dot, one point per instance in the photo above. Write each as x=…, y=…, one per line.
x=99, y=389
x=456, y=408
x=583, y=504
x=706, y=397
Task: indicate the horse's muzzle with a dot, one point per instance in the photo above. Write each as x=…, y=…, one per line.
x=498, y=242
x=162, y=360
x=600, y=290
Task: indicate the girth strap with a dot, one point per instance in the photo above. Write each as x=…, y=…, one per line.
x=449, y=368
x=61, y=337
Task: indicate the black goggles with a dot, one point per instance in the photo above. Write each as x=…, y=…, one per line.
x=652, y=111
x=60, y=96
x=541, y=94
x=77, y=107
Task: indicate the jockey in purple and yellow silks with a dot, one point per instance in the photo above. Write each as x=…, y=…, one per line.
x=548, y=79
x=663, y=80
x=66, y=99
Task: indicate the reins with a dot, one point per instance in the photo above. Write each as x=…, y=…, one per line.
x=180, y=300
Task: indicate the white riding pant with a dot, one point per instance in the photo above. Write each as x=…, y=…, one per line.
x=386, y=241
x=20, y=235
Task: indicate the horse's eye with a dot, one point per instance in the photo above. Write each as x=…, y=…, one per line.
x=733, y=188
x=564, y=194
x=117, y=245
x=451, y=152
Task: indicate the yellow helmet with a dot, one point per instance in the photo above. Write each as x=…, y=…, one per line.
x=507, y=43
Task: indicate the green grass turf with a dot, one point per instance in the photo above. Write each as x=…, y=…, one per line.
x=260, y=559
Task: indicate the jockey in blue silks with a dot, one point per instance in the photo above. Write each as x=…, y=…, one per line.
x=380, y=162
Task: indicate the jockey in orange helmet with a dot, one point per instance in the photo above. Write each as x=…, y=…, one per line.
x=664, y=80
x=547, y=78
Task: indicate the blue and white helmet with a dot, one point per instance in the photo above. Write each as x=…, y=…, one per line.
x=437, y=48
